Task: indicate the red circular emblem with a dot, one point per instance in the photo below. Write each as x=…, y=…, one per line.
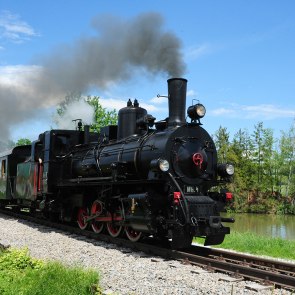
x=198, y=160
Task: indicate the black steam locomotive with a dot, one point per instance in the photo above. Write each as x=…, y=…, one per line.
x=139, y=177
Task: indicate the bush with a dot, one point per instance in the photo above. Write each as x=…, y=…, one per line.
x=21, y=274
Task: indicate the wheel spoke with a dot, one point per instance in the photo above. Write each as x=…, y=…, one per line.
x=82, y=214
x=133, y=235
x=115, y=229
x=97, y=208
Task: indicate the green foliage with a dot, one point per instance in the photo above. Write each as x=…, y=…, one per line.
x=23, y=141
x=264, y=180
x=259, y=245
x=13, y=265
x=102, y=116
x=18, y=260
x=21, y=274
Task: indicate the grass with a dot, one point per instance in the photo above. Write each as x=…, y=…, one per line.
x=22, y=275
x=258, y=245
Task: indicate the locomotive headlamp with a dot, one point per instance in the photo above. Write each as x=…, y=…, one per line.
x=230, y=169
x=196, y=111
x=159, y=165
x=226, y=170
x=164, y=165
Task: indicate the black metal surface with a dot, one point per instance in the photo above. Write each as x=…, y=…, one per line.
x=127, y=120
x=177, y=100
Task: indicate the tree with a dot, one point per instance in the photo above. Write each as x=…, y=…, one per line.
x=222, y=143
x=263, y=156
x=242, y=146
x=102, y=116
x=23, y=141
x=287, y=146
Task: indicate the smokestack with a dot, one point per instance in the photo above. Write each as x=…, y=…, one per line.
x=177, y=100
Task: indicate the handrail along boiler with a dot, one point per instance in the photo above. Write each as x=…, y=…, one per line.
x=140, y=177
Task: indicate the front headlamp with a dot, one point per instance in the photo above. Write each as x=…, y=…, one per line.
x=200, y=110
x=159, y=165
x=164, y=165
x=230, y=169
x=196, y=111
x=225, y=170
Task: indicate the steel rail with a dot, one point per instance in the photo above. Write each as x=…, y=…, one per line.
x=277, y=273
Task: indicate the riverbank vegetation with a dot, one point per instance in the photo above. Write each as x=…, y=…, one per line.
x=254, y=244
x=259, y=245
x=264, y=180
x=21, y=274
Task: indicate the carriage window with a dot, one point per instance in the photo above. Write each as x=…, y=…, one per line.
x=3, y=168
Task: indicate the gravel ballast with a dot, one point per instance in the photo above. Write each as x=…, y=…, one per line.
x=121, y=270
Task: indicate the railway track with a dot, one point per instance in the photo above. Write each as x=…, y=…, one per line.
x=263, y=270
x=266, y=271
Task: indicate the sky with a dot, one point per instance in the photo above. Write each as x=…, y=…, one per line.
x=238, y=57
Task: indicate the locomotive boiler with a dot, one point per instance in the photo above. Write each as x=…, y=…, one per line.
x=140, y=177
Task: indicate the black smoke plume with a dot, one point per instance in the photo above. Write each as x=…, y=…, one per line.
x=111, y=56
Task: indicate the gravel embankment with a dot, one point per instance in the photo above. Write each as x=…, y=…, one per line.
x=122, y=272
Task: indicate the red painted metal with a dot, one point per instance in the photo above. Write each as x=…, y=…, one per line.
x=228, y=196
x=35, y=180
x=40, y=179
x=176, y=198
x=198, y=160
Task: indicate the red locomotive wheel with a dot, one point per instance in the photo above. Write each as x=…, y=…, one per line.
x=133, y=235
x=115, y=229
x=96, y=209
x=82, y=214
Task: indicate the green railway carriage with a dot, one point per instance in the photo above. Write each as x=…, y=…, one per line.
x=8, y=166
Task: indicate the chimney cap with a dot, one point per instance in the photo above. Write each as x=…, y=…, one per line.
x=182, y=79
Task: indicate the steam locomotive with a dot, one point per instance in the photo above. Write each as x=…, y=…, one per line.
x=140, y=177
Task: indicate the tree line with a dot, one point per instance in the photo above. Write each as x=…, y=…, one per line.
x=264, y=180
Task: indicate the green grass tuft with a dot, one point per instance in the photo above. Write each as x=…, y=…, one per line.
x=258, y=245
x=20, y=274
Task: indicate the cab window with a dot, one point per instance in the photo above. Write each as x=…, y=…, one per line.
x=3, y=168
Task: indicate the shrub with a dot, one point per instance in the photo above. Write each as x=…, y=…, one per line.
x=21, y=274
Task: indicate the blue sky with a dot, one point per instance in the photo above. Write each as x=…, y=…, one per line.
x=239, y=56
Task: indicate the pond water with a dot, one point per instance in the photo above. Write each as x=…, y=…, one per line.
x=282, y=226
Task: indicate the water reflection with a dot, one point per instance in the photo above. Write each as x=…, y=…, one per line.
x=282, y=226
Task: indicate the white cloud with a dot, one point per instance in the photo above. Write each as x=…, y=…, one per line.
x=191, y=93
x=268, y=111
x=260, y=111
x=151, y=108
x=223, y=111
x=112, y=103
x=13, y=29
x=195, y=52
